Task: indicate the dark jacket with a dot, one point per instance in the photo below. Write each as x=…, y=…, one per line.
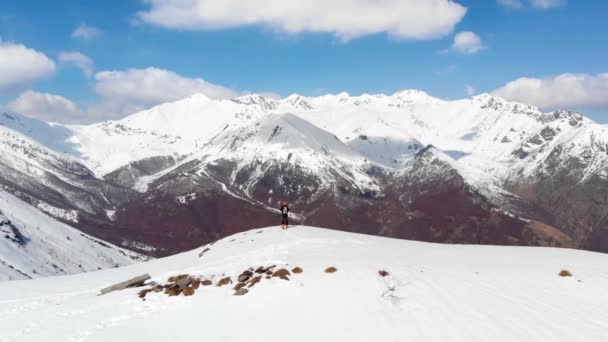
x=284, y=210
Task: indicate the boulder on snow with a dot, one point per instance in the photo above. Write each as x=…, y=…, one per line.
x=175, y=279
x=135, y=282
x=282, y=273
x=262, y=269
x=241, y=292
x=239, y=286
x=183, y=282
x=224, y=281
x=173, y=290
x=255, y=280
x=331, y=269
x=245, y=276
x=297, y=270
x=188, y=291
x=142, y=294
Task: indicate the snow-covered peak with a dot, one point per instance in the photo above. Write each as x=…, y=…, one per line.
x=483, y=130
x=430, y=162
x=489, y=101
x=52, y=135
x=279, y=136
x=255, y=99
x=413, y=94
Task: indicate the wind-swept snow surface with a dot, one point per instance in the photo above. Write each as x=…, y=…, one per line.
x=431, y=293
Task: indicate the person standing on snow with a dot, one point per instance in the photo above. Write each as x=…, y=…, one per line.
x=285, y=215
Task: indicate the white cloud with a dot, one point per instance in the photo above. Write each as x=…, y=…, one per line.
x=539, y=4
x=85, y=31
x=135, y=89
x=511, y=3
x=84, y=62
x=467, y=42
x=565, y=91
x=346, y=19
x=120, y=93
x=546, y=4
x=20, y=65
x=45, y=106
x=470, y=90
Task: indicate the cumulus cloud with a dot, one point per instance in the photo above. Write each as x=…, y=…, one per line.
x=467, y=43
x=44, y=106
x=539, y=4
x=139, y=88
x=20, y=65
x=83, y=62
x=565, y=91
x=84, y=31
x=346, y=19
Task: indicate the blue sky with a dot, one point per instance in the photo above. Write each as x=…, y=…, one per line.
x=558, y=46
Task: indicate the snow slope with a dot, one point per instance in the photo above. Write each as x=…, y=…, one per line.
x=170, y=129
x=290, y=139
x=433, y=293
x=34, y=245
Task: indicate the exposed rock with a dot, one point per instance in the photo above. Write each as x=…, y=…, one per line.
x=183, y=282
x=331, y=269
x=142, y=294
x=548, y=133
x=224, y=281
x=241, y=292
x=297, y=270
x=263, y=269
x=188, y=291
x=173, y=290
x=254, y=281
x=245, y=276
x=239, y=286
x=536, y=140
x=203, y=252
x=281, y=273
x=521, y=153
x=174, y=279
x=135, y=282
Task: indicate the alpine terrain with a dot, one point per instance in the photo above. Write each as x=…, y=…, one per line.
x=312, y=284
x=480, y=170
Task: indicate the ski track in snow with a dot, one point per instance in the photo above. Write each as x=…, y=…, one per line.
x=439, y=293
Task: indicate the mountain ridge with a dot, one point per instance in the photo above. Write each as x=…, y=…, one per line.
x=337, y=158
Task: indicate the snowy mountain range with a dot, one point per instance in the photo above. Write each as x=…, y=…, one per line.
x=477, y=170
